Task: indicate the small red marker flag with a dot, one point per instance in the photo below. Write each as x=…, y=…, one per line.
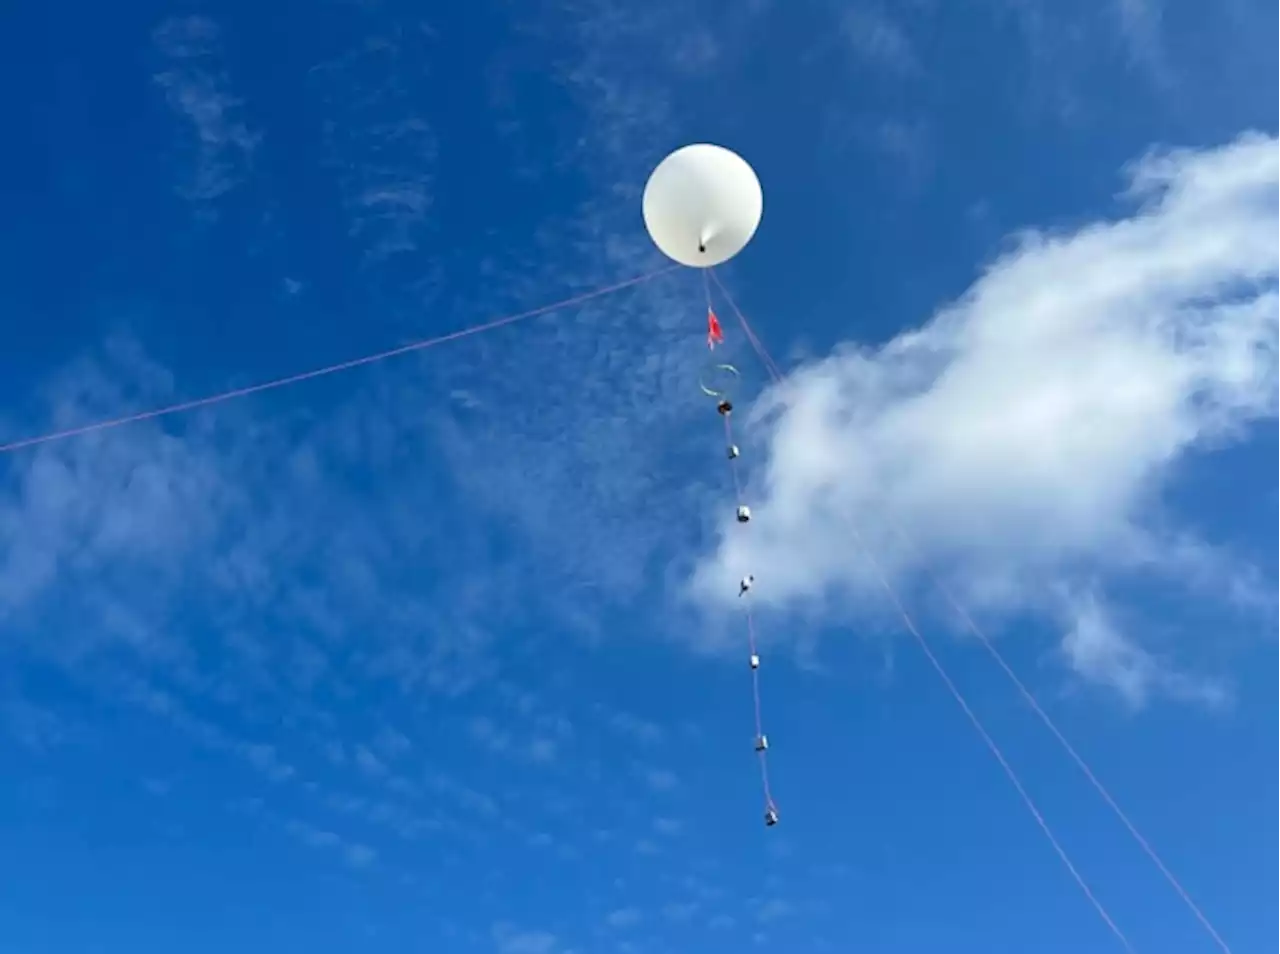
x=714, y=334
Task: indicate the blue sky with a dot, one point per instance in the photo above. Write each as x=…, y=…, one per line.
x=441, y=654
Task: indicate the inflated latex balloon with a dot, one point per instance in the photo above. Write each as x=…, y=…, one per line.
x=702, y=204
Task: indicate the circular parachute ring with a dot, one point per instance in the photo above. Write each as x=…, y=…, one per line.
x=718, y=381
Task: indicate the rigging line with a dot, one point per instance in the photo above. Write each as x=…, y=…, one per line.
x=1028, y=697
x=348, y=365
x=755, y=692
x=753, y=643
x=1075, y=756
x=765, y=358
x=991, y=744
x=733, y=464
x=760, y=743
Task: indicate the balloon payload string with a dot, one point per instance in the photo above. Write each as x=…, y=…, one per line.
x=743, y=517
x=701, y=206
x=742, y=514
x=703, y=234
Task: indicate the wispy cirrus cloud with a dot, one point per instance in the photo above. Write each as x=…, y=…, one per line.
x=197, y=88
x=219, y=573
x=354, y=854
x=189, y=588
x=667, y=826
x=1065, y=46
x=380, y=142
x=908, y=145
x=623, y=918
x=635, y=728
x=508, y=939
x=1141, y=27
x=879, y=40
x=658, y=779
x=680, y=911
x=33, y=726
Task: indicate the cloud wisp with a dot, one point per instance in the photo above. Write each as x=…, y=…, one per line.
x=197, y=88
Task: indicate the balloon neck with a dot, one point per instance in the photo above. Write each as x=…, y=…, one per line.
x=707, y=235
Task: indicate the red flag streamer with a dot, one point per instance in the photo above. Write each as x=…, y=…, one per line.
x=715, y=334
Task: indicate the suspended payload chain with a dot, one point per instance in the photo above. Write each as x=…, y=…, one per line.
x=701, y=206
x=743, y=515
x=717, y=382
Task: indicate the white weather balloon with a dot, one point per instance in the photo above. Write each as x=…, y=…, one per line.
x=702, y=204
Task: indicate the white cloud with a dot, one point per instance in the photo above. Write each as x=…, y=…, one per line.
x=1022, y=437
